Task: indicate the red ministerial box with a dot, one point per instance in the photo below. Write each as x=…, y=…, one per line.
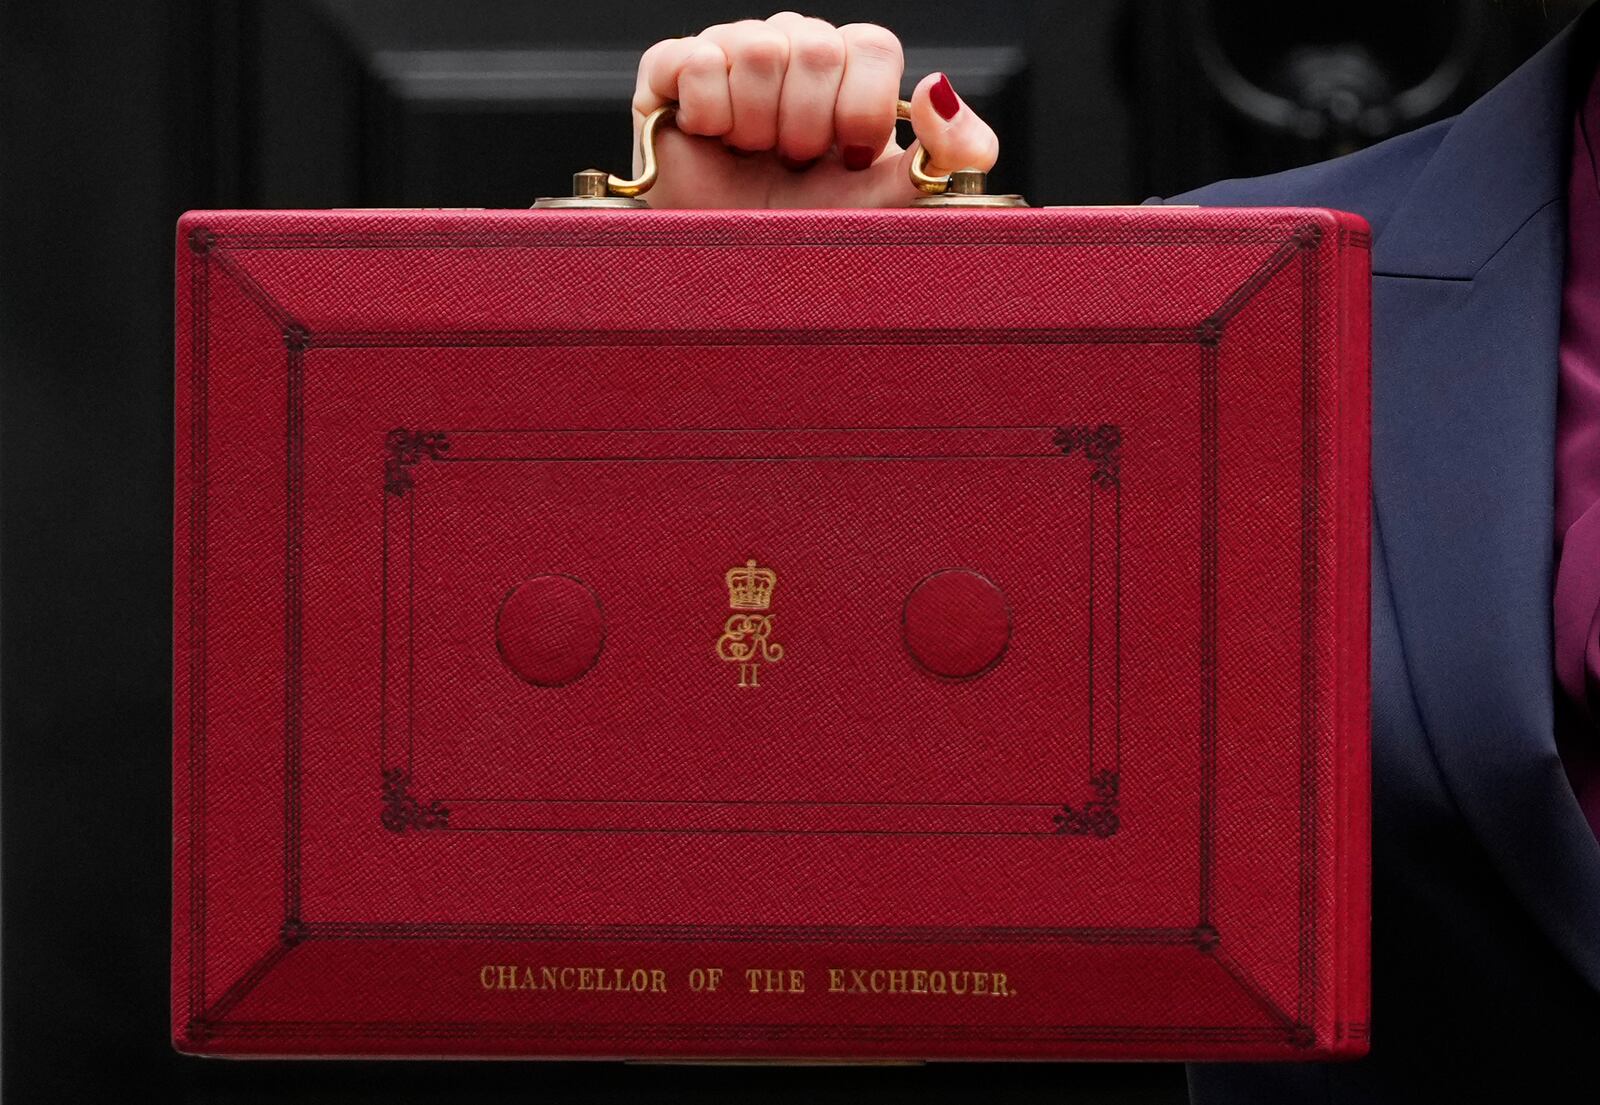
x=930, y=634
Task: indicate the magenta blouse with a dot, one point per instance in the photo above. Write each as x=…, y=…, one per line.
x=1577, y=489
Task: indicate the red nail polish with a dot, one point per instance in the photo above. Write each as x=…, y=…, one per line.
x=794, y=164
x=857, y=157
x=944, y=98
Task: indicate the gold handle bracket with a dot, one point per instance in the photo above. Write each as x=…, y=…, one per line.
x=958, y=188
x=595, y=188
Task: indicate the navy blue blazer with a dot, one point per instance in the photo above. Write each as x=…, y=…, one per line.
x=1486, y=895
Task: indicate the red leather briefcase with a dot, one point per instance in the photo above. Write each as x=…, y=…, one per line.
x=858, y=634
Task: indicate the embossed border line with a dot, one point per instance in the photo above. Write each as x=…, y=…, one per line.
x=409, y=453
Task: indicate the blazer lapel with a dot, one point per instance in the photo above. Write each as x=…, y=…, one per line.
x=1466, y=325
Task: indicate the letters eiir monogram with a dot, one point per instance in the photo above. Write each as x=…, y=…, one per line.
x=747, y=632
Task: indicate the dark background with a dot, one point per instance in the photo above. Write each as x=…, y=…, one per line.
x=117, y=116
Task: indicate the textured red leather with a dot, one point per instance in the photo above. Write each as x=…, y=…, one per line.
x=891, y=634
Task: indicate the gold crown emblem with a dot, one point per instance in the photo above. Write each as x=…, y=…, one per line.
x=750, y=587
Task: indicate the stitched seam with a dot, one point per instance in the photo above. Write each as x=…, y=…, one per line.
x=1523, y=225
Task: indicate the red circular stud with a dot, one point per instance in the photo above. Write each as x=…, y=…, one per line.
x=550, y=629
x=956, y=624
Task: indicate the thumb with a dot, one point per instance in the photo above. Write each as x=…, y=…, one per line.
x=953, y=134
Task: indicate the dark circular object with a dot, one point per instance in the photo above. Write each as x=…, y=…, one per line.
x=550, y=629
x=956, y=624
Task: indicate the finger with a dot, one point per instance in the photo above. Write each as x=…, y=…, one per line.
x=705, y=104
x=757, y=56
x=690, y=71
x=657, y=79
x=810, y=86
x=954, y=135
x=863, y=114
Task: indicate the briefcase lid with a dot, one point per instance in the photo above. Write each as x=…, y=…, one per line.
x=892, y=634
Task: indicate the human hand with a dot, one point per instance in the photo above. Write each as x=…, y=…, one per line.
x=794, y=112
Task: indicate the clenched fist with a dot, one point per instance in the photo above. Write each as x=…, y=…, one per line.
x=795, y=112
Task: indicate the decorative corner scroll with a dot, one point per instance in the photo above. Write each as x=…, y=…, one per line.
x=406, y=449
x=1096, y=817
x=401, y=811
x=1101, y=446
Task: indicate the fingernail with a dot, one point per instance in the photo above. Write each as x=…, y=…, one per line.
x=944, y=98
x=794, y=164
x=857, y=157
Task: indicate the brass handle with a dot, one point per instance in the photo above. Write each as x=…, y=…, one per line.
x=648, y=169
x=597, y=188
x=921, y=179
x=924, y=181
